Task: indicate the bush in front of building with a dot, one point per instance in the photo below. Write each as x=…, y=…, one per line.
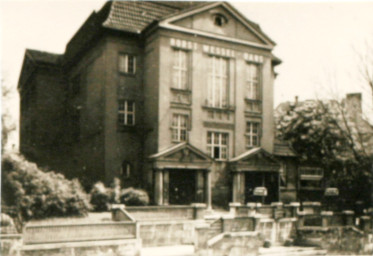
x=38, y=194
x=134, y=197
x=99, y=197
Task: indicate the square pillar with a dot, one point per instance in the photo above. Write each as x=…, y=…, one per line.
x=200, y=186
x=326, y=218
x=348, y=218
x=208, y=189
x=158, y=186
x=166, y=187
x=239, y=187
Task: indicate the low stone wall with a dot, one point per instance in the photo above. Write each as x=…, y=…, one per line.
x=57, y=233
x=162, y=233
x=336, y=240
x=129, y=247
x=10, y=244
x=233, y=244
x=174, y=212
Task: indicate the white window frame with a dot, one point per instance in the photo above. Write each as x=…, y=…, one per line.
x=212, y=145
x=216, y=79
x=125, y=112
x=252, y=84
x=123, y=63
x=249, y=134
x=179, y=128
x=180, y=68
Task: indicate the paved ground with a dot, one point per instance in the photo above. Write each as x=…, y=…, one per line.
x=179, y=250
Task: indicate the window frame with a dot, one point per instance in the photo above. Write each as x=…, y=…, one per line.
x=178, y=128
x=212, y=145
x=250, y=83
x=125, y=112
x=126, y=69
x=215, y=79
x=249, y=134
x=179, y=69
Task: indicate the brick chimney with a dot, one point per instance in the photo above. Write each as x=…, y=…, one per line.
x=353, y=103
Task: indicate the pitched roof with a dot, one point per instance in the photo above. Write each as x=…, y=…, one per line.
x=135, y=16
x=44, y=57
x=282, y=148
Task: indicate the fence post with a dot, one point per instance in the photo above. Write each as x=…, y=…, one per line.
x=365, y=223
x=198, y=209
x=251, y=210
x=233, y=208
x=325, y=217
x=295, y=207
x=277, y=210
x=227, y=223
x=301, y=219
x=348, y=217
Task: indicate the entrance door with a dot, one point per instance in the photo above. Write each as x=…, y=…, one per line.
x=182, y=186
x=269, y=180
x=252, y=180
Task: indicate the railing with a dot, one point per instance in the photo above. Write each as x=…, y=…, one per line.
x=37, y=234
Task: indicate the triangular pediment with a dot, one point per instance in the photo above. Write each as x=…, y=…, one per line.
x=182, y=153
x=221, y=19
x=256, y=159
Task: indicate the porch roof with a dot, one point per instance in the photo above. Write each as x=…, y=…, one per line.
x=181, y=156
x=255, y=159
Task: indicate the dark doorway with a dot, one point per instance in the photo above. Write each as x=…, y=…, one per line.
x=268, y=180
x=182, y=186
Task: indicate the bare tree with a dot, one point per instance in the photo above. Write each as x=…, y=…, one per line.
x=7, y=123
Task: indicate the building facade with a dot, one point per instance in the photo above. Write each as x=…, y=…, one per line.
x=174, y=97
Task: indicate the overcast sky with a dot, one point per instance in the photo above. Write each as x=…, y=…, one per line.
x=316, y=41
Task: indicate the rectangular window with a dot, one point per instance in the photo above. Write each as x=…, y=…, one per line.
x=252, y=134
x=180, y=69
x=126, y=112
x=127, y=64
x=217, y=145
x=218, y=82
x=252, y=81
x=179, y=127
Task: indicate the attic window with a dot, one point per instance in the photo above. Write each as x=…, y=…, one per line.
x=220, y=20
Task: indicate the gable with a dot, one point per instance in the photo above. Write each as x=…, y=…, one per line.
x=256, y=159
x=231, y=26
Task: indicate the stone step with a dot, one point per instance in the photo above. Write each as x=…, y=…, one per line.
x=175, y=250
x=291, y=251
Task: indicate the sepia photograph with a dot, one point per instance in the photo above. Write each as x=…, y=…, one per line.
x=186, y=128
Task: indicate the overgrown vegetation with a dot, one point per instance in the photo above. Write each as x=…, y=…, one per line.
x=37, y=194
x=102, y=197
x=324, y=133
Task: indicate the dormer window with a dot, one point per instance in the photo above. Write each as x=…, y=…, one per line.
x=220, y=20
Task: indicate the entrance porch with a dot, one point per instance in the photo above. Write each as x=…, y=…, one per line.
x=252, y=169
x=181, y=176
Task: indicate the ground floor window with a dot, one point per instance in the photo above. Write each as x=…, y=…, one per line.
x=217, y=145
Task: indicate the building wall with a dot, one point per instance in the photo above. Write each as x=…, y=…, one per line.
x=122, y=143
x=87, y=149
x=201, y=123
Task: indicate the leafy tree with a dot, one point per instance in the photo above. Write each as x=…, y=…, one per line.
x=323, y=132
x=37, y=194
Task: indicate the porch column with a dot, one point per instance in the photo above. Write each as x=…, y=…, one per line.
x=208, y=189
x=166, y=186
x=158, y=186
x=199, y=186
x=239, y=187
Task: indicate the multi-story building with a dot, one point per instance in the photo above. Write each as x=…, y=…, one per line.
x=175, y=97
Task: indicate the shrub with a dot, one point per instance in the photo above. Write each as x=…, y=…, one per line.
x=134, y=197
x=37, y=194
x=99, y=197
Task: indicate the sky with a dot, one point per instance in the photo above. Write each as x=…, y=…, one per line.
x=318, y=42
